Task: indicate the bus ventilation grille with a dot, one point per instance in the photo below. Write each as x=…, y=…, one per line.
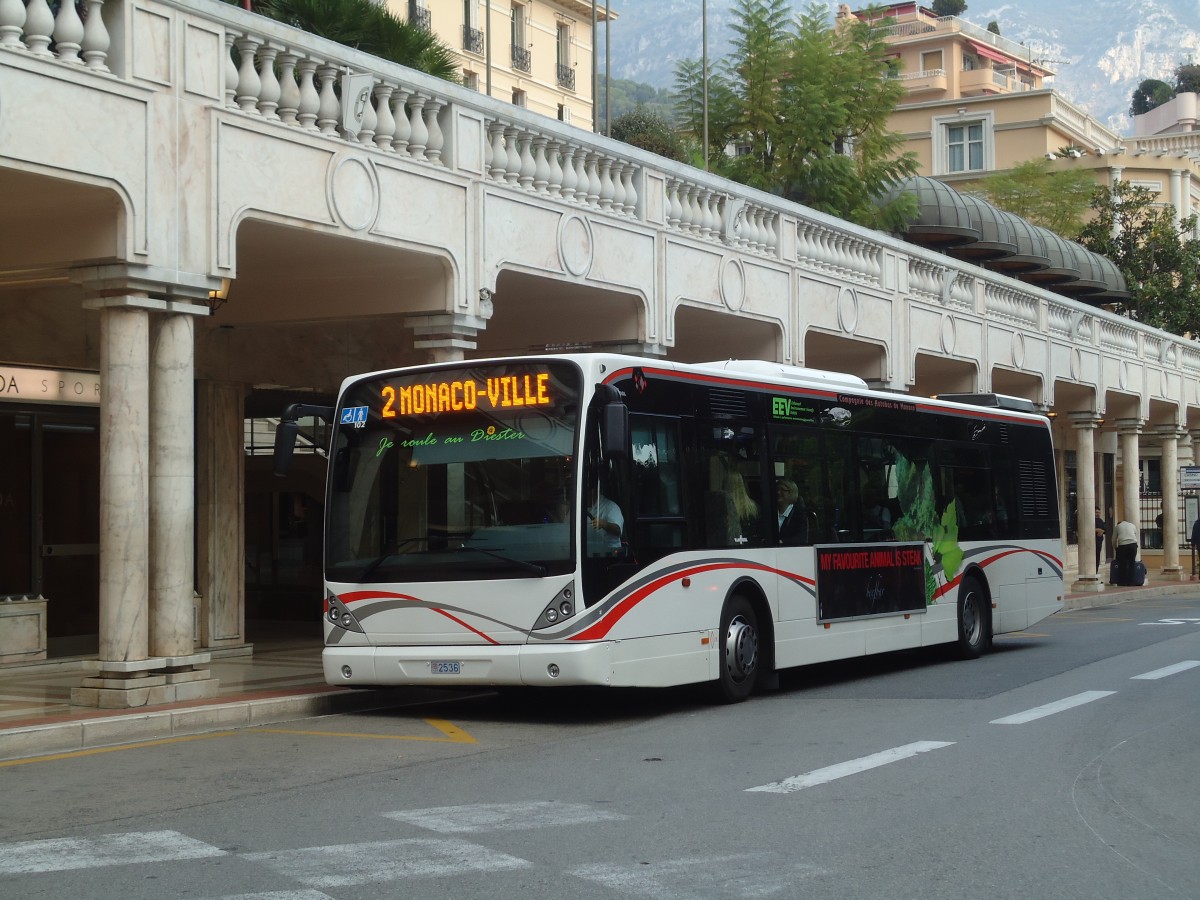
x=1035, y=494
x=727, y=404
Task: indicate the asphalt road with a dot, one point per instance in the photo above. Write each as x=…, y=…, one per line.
x=1065, y=764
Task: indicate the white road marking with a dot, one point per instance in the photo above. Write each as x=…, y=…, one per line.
x=1167, y=670
x=751, y=874
x=1039, y=712
x=1172, y=622
x=502, y=816
x=350, y=864
x=62, y=854
x=853, y=767
x=279, y=895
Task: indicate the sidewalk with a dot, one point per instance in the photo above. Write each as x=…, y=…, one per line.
x=282, y=681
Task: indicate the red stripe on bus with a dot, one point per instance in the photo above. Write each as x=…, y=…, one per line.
x=356, y=596
x=466, y=626
x=614, y=615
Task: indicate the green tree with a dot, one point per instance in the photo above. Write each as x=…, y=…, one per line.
x=1187, y=78
x=993, y=27
x=949, y=7
x=836, y=153
x=367, y=26
x=1155, y=252
x=811, y=106
x=650, y=131
x=688, y=107
x=755, y=67
x=1055, y=198
x=1149, y=94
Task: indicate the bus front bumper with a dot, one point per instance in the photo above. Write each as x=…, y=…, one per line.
x=448, y=666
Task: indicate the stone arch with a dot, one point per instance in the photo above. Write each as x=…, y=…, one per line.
x=704, y=333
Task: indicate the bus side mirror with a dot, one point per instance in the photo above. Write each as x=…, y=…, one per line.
x=614, y=430
x=288, y=428
x=285, y=446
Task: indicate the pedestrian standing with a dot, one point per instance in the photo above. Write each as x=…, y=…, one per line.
x=1125, y=535
x=1100, y=529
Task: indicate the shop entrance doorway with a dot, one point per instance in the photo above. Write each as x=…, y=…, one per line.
x=50, y=519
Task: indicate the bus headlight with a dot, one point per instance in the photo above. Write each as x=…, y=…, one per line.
x=559, y=609
x=339, y=615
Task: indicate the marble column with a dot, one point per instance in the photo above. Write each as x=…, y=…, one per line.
x=120, y=677
x=1128, y=431
x=172, y=508
x=1085, y=424
x=220, y=496
x=1170, y=506
x=124, y=485
x=145, y=520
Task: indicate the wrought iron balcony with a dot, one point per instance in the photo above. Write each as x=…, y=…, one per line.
x=566, y=77
x=522, y=59
x=473, y=40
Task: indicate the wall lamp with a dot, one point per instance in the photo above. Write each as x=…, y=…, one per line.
x=219, y=297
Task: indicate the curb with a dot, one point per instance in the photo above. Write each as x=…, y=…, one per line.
x=96, y=730
x=1092, y=600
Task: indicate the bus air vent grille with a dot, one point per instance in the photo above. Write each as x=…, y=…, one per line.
x=1035, y=494
x=724, y=403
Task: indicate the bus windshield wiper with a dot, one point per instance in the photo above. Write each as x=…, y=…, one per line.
x=379, y=560
x=520, y=563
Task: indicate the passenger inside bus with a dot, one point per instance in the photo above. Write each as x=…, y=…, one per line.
x=605, y=524
x=791, y=514
x=744, y=523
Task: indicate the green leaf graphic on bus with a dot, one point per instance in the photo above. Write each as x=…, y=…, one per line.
x=945, y=541
x=922, y=520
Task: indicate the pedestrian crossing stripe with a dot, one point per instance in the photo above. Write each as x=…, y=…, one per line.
x=137, y=847
x=503, y=816
x=353, y=864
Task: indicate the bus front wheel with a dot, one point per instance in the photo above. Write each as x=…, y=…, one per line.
x=974, y=612
x=739, y=651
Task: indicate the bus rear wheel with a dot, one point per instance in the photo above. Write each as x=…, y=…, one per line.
x=739, y=651
x=974, y=613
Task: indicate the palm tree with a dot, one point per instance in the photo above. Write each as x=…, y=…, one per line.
x=365, y=26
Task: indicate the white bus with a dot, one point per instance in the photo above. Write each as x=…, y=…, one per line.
x=595, y=519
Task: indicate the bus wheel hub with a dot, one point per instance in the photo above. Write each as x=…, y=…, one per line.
x=741, y=648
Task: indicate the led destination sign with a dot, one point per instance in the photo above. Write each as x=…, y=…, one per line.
x=467, y=394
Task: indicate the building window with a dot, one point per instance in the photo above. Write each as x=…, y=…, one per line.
x=566, y=71
x=472, y=33
x=520, y=98
x=564, y=113
x=521, y=58
x=964, y=147
x=931, y=61
x=471, y=79
x=419, y=15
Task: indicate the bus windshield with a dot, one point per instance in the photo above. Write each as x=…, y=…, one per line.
x=454, y=473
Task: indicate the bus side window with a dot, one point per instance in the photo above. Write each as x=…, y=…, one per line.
x=656, y=465
x=657, y=487
x=730, y=460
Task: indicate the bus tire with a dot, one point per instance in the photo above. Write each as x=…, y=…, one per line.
x=740, y=658
x=974, y=614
